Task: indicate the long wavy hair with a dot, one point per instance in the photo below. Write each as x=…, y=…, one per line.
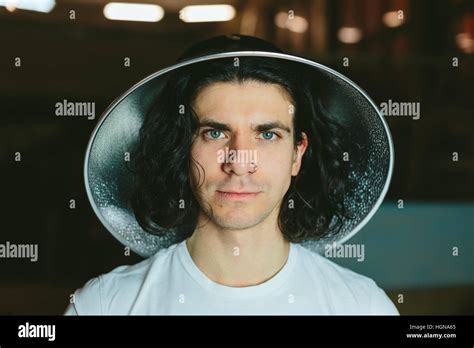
x=164, y=197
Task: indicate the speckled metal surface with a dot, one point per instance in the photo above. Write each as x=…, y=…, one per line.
x=108, y=181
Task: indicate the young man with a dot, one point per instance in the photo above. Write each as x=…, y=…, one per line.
x=240, y=160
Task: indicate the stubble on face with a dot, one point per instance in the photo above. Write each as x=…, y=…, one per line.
x=242, y=107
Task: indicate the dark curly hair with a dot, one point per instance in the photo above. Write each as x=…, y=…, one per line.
x=161, y=161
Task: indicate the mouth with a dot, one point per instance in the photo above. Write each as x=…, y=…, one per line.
x=234, y=195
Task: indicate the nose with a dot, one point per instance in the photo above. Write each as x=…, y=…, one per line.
x=242, y=157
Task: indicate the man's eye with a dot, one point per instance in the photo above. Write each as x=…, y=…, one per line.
x=214, y=134
x=268, y=135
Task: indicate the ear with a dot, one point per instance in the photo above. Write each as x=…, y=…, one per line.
x=298, y=154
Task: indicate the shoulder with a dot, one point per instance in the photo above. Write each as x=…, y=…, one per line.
x=117, y=289
x=355, y=292
x=335, y=275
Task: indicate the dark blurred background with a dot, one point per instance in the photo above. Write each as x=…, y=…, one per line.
x=406, y=51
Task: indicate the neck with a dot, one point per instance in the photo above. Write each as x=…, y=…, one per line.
x=238, y=257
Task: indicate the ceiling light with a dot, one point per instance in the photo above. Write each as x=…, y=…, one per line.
x=43, y=6
x=207, y=13
x=121, y=11
x=349, y=35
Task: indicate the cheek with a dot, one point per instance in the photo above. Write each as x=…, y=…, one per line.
x=206, y=156
x=277, y=164
x=276, y=157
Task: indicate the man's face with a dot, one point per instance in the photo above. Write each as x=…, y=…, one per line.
x=245, y=147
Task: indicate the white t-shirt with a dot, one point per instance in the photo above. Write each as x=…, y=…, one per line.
x=170, y=283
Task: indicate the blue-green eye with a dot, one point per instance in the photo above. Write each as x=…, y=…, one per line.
x=214, y=134
x=268, y=135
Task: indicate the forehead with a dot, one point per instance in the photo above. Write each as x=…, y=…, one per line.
x=253, y=101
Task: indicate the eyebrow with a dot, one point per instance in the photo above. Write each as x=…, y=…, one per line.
x=259, y=127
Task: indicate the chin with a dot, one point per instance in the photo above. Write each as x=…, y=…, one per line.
x=234, y=220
